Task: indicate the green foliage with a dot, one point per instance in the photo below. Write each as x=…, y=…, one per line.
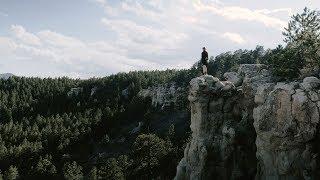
x=111, y=170
x=52, y=134
x=303, y=26
x=285, y=62
x=45, y=167
x=93, y=174
x=72, y=171
x=303, y=35
x=114, y=168
x=149, y=150
x=12, y=173
x=230, y=61
x=106, y=139
x=41, y=126
x=5, y=114
x=171, y=132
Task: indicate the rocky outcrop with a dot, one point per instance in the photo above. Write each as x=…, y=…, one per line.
x=6, y=76
x=75, y=91
x=93, y=91
x=286, y=120
x=259, y=129
x=164, y=96
x=233, y=77
x=221, y=147
x=136, y=129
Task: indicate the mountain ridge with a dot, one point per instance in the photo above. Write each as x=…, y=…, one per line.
x=6, y=75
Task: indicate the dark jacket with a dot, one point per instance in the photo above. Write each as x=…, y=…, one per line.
x=204, y=58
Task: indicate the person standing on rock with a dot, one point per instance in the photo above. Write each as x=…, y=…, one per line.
x=204, y=61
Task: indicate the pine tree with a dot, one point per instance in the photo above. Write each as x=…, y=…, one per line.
x=12, y=173
x=303, y=35
x=93, y=174
x=45, y=167
x=72, y=171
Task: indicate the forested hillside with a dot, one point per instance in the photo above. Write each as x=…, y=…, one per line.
x=64, y=127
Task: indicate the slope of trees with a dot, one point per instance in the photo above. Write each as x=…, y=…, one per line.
x=49, y=128
x=56, y=128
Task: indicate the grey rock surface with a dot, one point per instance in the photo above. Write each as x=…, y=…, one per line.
x=74, y=91
x=286, y=121
x=164, y=95
x=6, y=76
x=260, y=130
x=220, y=147
x=233, y=77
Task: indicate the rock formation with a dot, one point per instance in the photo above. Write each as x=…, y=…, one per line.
x=75, y=91
x=164, y=96
x=221, y=146
x=6, y=76
x=286, y=119
x=259, y=129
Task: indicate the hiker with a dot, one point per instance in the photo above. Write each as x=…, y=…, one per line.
x=204, y=61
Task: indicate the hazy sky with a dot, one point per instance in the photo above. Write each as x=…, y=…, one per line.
x=86, y=38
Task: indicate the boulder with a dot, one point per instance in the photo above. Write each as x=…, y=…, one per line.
x=74, y=91
x=251, y=70
x=93, y=91
x=233, y=77
x=310, y=83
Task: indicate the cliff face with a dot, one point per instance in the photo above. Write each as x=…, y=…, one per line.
x=256, y=130
x=164, y=96
x=286, y=119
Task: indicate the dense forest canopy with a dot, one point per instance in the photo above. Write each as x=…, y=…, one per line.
x=57, y=128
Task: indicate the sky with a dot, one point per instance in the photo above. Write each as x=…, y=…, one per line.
x=95, y=38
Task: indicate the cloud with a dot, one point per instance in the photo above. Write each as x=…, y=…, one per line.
x=142, y=35
x=4, y=14
x=26, y=37
x=108, y=9
x=169, y=34
x=288, y=11
x=139, y=9
x=59, y=40
x=234, y=37
x=239, y=13
x=102, y=2
x=70, y=55
x=7, y=46
x=153, y=44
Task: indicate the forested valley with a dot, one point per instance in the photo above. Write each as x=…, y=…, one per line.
x=72, y=128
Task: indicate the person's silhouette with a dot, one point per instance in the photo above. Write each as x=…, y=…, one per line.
x=204, y=61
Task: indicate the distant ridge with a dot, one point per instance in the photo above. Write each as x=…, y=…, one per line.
x=6, y=76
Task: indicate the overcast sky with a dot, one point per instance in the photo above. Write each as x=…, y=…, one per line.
x=86, y=38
